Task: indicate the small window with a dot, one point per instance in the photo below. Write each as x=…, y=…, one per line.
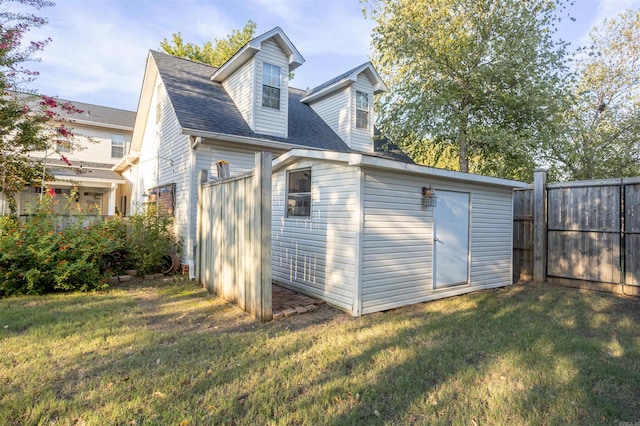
x=163, y=197
x=362, y=110
x=117, y=146
x=64, y=145
x=299, y=193
x=270, y=86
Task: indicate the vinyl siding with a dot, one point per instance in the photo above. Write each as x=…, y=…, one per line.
x=165, y=159
x=334, y=110
x=361, y=139
x=271, y=121
x=240, y=86
x=316, y=256
x=397, y=242
x=91, y=144
x=397, y=251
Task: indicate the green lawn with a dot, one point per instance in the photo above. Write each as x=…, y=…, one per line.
x=173, y=354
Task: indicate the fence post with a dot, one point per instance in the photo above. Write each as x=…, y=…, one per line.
x=539, y=225
x=203, y=176
x=262, y=224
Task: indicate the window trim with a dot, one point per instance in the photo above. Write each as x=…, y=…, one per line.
x=123, y=146
x=64, y=149
x=270, y=86
x=359, y=109
x=286, y=203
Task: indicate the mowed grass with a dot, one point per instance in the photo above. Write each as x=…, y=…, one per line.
x=173, y=354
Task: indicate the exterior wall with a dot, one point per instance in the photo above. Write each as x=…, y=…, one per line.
x=334, y=110
x=397, y=252
x=318, y=255
x=93, y=144
x=165, y=159
x=397, y=242
x=361, y=139
x=270, y=121
x=240, y=86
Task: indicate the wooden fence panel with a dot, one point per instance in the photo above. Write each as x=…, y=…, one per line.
x=584, y=235
x=523, y=235
x=234, y=238
x=589, y=256
x=632, y=234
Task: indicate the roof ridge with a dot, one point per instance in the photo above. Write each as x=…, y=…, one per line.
x=183, y=59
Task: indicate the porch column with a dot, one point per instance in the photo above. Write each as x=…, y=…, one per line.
x=111, y=203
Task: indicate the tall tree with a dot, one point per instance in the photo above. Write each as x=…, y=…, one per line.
x=216, y=53
x=482, y=77
x=22, y=118
x=601, y=138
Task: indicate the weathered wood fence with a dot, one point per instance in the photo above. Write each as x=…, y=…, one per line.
x=583, y=234
x=233, y=256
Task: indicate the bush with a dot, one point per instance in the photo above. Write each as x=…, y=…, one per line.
x=40, y=255
x=149, y=239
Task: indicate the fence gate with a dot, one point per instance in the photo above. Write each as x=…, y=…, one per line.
x=233, y=256
x=584, y=234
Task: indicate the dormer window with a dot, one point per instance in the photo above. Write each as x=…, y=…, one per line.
x=270, y=86
x=362, y=110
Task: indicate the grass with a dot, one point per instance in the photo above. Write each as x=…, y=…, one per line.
x=173, y=354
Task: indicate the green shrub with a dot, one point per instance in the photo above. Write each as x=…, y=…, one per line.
x=149, y=239
x=40, y=254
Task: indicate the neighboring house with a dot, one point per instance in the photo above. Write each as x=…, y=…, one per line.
x=351, y=220
x=101, y=139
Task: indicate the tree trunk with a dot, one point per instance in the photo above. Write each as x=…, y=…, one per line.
x=463, y=143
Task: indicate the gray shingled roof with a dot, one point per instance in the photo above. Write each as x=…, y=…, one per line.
x=334, y=80
x=204, y=105
x=99, y=114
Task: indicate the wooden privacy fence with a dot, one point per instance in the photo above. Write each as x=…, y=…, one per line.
x=584, y=234
x=233, y=257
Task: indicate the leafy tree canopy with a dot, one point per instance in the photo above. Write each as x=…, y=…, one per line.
x=216, y=53
x=25, y=118
x=481, y=78
x=601, y=129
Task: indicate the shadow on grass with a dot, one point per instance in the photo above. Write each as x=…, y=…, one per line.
x=523, y=355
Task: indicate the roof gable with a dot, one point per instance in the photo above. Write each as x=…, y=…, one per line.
x=203, y=105
x=253, y=47
x=345, y=80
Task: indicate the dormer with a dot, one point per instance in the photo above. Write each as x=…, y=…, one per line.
x=257, y=79
x=345, y=103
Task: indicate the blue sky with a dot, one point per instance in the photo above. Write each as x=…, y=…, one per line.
x=99, y=47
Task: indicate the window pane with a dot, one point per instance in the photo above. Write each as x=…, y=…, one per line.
x=362, y=119
x=271, y=75
x=270, y=97
x=299, y=205
x=362, y=101
x=63, y=145
x=299, y=194
x=300, y=181
x=117, y=146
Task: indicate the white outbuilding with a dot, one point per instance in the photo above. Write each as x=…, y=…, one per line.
x=368, y=234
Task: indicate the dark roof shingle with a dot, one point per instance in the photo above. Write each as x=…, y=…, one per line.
x=204, y=105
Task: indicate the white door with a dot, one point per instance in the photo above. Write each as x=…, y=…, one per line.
x=451, y=239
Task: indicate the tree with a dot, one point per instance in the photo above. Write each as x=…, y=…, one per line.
x=26, y=119
x=601, y=137
x=216, y=53
x=481, y=77
x=20, y=126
